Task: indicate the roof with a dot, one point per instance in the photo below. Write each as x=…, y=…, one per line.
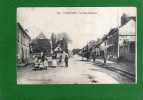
x=128, y=29
x=132, y=17
x=22, y=29
x=113, y=31
x=41, y=36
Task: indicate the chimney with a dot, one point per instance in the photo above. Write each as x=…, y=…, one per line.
x=124, y=19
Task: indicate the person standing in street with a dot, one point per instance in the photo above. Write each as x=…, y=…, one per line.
x=66, y=60
x=105, y=55
x=42, y=59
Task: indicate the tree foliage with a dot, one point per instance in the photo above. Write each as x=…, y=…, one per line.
x=41, y=45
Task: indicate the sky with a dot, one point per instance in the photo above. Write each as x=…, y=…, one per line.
x=82, y=24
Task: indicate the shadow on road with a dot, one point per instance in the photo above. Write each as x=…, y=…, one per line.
x=111, y=67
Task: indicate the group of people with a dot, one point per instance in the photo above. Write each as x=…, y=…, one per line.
x=42, y=61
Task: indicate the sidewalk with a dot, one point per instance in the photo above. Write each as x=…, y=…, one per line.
x=21, y=65
x=125, y=67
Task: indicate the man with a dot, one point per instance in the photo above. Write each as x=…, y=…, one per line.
x=66, y=60
x=105, y=55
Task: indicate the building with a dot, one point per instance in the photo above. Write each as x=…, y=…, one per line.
x=111, y=43
x=23, y=48
x=120, y=42
x=127, y=40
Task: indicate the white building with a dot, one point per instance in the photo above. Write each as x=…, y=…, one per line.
x=127, y=40
x=23, y=48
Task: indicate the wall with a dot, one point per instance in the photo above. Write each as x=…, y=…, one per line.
x=23, y=50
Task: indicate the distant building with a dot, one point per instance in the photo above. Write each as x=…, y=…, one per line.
x=23, y=48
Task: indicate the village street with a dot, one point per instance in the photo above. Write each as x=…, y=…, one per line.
x=78, y=72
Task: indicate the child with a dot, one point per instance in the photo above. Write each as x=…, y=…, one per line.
x=45, y=63
x=36, y=63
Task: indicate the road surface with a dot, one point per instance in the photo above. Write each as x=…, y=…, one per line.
x=78, y=72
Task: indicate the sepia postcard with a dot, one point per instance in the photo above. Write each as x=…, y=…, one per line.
x=76, y=45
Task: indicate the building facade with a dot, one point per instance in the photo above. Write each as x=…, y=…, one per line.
x=127, y=40
x=23, y=47
x=111, y=43
x=120, y=42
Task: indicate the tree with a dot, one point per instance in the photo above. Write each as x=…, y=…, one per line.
x=63, y=40
x=64, y=36
x=53, y=39
x=41, y=44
